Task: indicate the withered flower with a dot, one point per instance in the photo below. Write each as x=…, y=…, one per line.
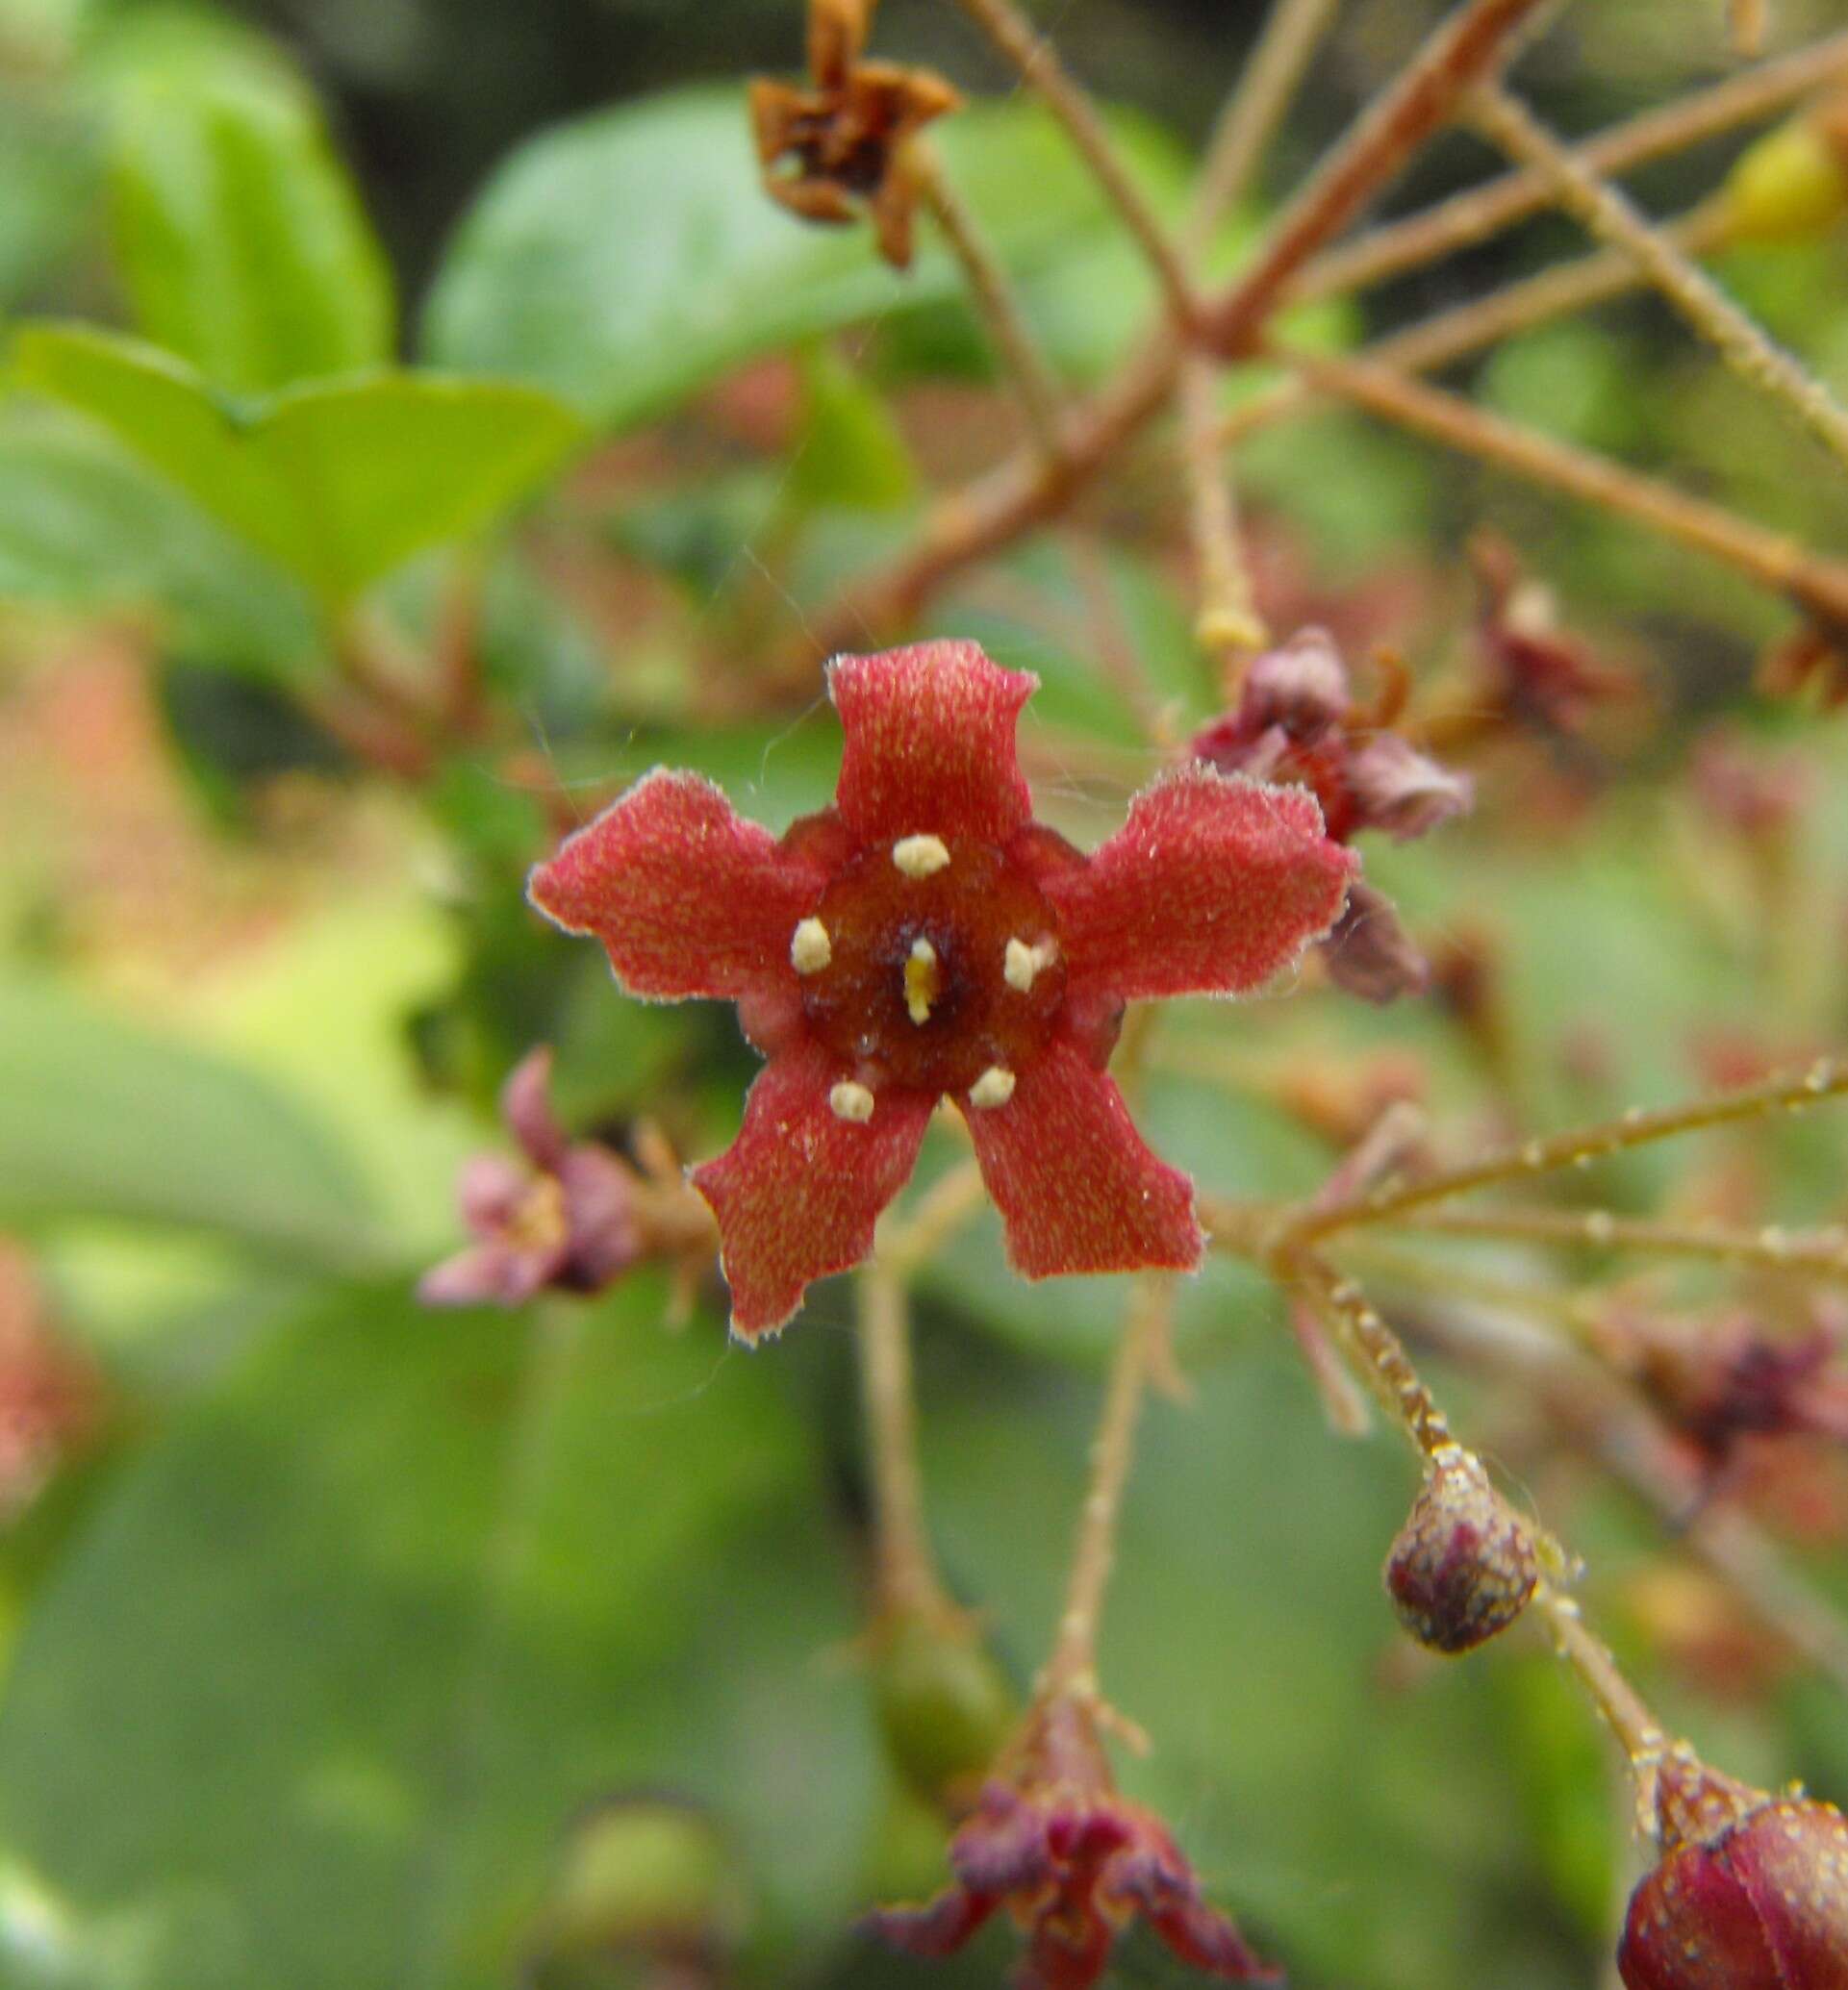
x=568, y=1216
x=839, y=147
x=1296, y=723
x=1539, y=673
x=1074, y=1863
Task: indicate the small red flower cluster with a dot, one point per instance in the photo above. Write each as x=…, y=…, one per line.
x=1294, y=721
x=1073, y=1864
x=923, y=939
x=1752, y=1891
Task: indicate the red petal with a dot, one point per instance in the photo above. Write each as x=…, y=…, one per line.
x=1078, y=1190
x=689, y=897
x=1213, y=885
x=1792, y=1859
x=1692, y=1926
x=798, y=1191
x=929, y=744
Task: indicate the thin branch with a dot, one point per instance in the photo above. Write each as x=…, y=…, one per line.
x=1789, y=1092
x=1267, y=87
x=983, y=519
x=1639, y=1733
x=1820, y=1254
x=1816, y=584
x=1473, y=216
x=1466, y=50
x=993, y=296
x=1378, y=1352
x=1227, y=624
x=1614, y=218
x=1038, y=61
x=1071, y=1669
x=912, y=1241
x=905, y=1568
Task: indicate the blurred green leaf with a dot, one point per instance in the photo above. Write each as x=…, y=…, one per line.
x=849, y=451
x=373, y=1625
x=341, y=481
x=85, y=526
x=239, y=235
x=103, y=1119
x=629, y=260
x=49, y=170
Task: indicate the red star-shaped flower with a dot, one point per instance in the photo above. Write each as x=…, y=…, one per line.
x=926, y=938
x=1074, y=1863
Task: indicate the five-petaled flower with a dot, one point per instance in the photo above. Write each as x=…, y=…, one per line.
x=1751, y=1894
x=1295, y=720
x=1074, y=1863
x=923, y=939
x=829, y=149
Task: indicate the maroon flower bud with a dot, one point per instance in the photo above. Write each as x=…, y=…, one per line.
x=1752, y=1891
x=1464, y=1564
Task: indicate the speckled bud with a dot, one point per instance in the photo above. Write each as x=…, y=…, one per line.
x=1464, y=1565
x=1752, y=1891
x=945, y=1706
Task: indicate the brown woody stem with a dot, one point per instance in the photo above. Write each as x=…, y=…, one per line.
x=1227, y=624
x=1613, y=218
x=1639, y=1733
x=1344, y=1309
x=1473, y=216
x=994, y=298
x=1817, y=585
x=1038, y=61
x=1821, y=1256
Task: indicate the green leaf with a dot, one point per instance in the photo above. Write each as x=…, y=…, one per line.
x=627, y=260
x=85, y=526
x=339, y=482
x=106, y=1120
x=239, y=235
x=49, y=171
x=400, y=1601
x=849, y=451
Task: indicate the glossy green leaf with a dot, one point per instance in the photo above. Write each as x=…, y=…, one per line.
x=239, y=235
x=400, y=1601
x=103, y=1119
x=627, y=260
x=340, y=482
x=85, y=526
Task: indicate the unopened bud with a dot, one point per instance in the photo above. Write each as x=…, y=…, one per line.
x=945, y=1706
x=1464, y=1564
x=1752, y=1891
x=1793, y=182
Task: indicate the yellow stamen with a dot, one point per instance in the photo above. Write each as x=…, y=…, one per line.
x=810, y=951
x=921, y=856
x=850, y=1101
x=922, y=980
x=995, y=1087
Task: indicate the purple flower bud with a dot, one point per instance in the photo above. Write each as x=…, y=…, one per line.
x=1303, y=686
x=1463, y=1566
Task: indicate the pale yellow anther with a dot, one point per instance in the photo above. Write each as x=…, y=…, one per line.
x=1024, y=965
x=850, y=1101
x=922, y=980
x=810, y=951
x=995, y=1087
x=921, y=856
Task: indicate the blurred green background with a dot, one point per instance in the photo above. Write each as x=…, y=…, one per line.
x=349, y=1647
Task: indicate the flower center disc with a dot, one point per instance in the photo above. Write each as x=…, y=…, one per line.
x=916, y=989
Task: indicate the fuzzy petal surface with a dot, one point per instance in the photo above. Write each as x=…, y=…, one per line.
x=1213, y=885
x=689, y=899
x=936, y=1930
x=526, y=1109
x=798, y=1192
x=1077, y=1188
x=929, y=744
